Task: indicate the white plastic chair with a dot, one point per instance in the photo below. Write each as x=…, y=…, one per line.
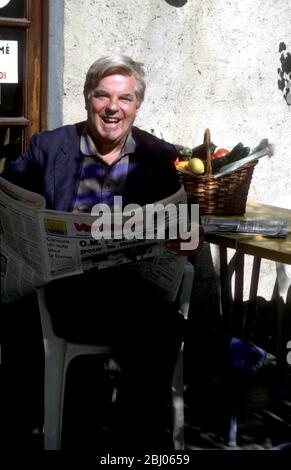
x=59, y=353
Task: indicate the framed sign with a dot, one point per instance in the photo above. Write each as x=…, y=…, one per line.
x=23, y=74
x=8, y=62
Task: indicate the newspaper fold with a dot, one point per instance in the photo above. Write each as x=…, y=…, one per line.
x=267, y=228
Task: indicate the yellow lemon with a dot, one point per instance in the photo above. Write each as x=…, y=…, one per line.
x=183, y=164
x=196, y=166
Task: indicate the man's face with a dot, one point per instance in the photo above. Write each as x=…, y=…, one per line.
x=111, y=109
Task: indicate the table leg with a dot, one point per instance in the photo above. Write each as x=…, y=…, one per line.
x=283, y=315
x=237, y=314
x=249, y=327
x=225, y=287
x=232, y=308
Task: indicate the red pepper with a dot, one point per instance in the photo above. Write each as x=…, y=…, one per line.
x=219, y=153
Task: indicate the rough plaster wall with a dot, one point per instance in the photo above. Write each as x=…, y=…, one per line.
x=209, y=63
x=55, y=64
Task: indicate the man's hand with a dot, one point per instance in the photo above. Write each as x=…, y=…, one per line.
x=175, y=245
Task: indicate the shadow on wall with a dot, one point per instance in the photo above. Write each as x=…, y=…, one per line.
x=284, y=83
x=176, y=3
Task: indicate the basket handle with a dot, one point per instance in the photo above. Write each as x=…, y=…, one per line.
x=207, y=141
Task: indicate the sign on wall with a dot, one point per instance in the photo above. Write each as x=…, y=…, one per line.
x=8, y=62
x=3, y=3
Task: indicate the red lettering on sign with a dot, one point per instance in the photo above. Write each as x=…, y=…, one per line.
x=82, y=227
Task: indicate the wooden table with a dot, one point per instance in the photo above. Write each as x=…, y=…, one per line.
x=275, y=249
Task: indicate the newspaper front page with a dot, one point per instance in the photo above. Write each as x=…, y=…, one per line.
x=39, y=245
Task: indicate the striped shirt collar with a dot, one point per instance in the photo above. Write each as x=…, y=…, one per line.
x=87, y=146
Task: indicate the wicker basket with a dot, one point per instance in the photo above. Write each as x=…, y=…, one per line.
x=226, y=195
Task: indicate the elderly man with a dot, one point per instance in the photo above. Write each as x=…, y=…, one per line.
x=75, y=167
x=78, y=166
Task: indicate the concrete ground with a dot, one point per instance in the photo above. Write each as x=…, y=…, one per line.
x=263, y=411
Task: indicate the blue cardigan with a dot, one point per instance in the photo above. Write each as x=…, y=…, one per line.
x=51, y=167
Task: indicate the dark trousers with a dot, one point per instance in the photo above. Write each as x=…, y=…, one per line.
x=116, y=307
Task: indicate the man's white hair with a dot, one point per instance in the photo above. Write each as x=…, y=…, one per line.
x=115, y=64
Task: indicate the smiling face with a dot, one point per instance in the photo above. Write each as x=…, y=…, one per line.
x=111, y=111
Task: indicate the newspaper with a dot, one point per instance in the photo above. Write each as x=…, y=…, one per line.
x=39, y=245
x=267, y=228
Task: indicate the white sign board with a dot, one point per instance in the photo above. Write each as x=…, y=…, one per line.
x=8, y=62
x=3, y=3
